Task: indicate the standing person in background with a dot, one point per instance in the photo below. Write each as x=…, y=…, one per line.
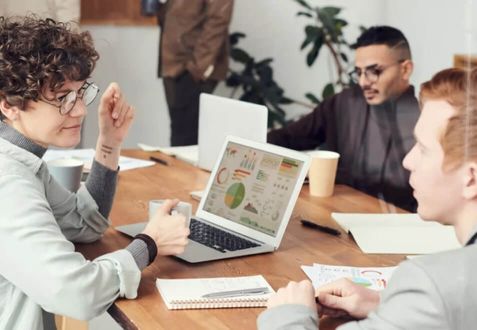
x=67, y=11
x=193, y=57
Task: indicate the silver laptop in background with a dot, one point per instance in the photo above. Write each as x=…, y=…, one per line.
x=220, y=117
x=248, y=201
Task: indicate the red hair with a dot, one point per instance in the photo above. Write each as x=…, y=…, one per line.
x=458, y=87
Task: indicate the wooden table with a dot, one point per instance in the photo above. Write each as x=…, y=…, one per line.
x=300, y=246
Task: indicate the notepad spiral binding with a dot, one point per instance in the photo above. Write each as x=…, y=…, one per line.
x=219, y=303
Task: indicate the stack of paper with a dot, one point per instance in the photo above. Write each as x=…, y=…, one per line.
x=397, y=233
x=375, y=278
x=189, y=154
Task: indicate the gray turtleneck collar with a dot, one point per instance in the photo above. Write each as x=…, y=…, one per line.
x=15, y=137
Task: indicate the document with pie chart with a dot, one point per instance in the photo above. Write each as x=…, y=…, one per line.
x=252, y=187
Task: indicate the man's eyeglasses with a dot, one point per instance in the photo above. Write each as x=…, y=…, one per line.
x=372, y=72
x=87, y=93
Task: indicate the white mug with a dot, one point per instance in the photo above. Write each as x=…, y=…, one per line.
x=67, y=171
x=183, y=208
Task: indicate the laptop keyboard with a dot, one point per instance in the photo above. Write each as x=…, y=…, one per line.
x=216, y=238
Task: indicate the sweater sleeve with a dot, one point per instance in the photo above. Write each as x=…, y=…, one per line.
x=309, y=132
x=288, y=317
x=101, y=184
x=411, y=301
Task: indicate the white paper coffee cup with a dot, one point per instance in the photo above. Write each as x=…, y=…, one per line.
x=322, y=172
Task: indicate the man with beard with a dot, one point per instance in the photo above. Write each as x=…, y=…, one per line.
x=369, y=124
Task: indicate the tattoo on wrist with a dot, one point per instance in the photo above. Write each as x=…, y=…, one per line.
x=106, y=150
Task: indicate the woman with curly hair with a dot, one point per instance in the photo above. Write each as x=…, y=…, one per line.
x=44, y=91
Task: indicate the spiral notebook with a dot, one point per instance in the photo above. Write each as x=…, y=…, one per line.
x=217, y=292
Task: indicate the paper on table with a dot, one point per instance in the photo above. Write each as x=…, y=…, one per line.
x=375, y=278
x=87, y=156
x=188, y=293
x=348, y=220
x=189, y=154
x=405, y=240
x=312, y=274
x=397, y=233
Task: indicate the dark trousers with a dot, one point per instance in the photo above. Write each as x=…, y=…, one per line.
x=182, y=96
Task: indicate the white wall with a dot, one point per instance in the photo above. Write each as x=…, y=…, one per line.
x=274, y=30
x=128, y=55
x=436, y=30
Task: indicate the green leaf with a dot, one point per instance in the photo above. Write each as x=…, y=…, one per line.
x=312, y=98
x=340, y=23
x=286, y=100
x=312, y=34
x=314, y=52
x=328, y=91
x=344, y=57
x=331, y=24
x=304, y=4
x=327, y=20
x=234, y=37
x=266, y=74
x=331, y=11
x=233, y=80
x=240, y=55
x=302, y=13
x=313, y=31
x=265, y=62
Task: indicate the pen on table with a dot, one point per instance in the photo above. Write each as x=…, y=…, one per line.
x=234, y=293
x=328, y=230
x=158, y=160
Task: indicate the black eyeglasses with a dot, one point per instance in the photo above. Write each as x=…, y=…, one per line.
x=87, y=93
x=372, y=72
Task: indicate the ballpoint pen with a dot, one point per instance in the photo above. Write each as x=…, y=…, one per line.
x=235, y=293
x=158, y=160
x=328, y=230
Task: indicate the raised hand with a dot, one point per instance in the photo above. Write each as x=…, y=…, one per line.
x=115, y=116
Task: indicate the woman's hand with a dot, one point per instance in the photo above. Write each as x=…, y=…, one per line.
x=115, y=117
x=168, y=231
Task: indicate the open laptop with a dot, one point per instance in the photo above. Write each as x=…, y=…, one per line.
x=220, y=117
x=247, y=204
x=248, y=201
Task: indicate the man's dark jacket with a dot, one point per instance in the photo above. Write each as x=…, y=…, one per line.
x=339, y=124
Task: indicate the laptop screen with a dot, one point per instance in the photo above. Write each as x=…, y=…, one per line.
x=253, y=187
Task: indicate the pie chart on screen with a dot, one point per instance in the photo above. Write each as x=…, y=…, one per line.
x=234, y=195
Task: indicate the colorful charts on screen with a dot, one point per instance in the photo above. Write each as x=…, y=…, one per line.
x=234, y=195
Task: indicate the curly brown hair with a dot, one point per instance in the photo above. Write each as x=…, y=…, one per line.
x=36, y=54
